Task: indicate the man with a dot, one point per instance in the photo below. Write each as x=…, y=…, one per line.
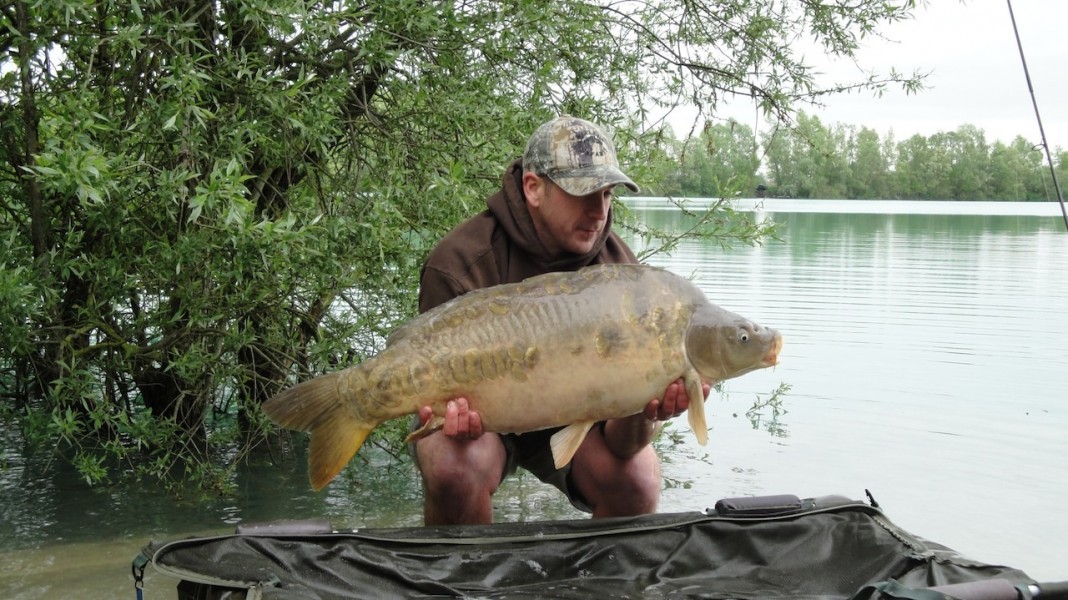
x=553, y=213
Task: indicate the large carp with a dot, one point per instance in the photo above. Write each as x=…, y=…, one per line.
x=561, y=349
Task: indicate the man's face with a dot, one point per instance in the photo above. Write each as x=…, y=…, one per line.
x=566, y=223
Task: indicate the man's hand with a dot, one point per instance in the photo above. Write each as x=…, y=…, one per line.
x=673, y=403
x=627, y=436
x=460, y=421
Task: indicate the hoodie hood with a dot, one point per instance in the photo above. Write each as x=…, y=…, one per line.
x=509, y=206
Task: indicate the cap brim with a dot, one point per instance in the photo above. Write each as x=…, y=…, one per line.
x=581, y=182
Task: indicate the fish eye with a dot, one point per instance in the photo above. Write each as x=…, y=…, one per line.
x=743, y=336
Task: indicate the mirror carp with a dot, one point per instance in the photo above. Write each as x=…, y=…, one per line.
x=564, y=349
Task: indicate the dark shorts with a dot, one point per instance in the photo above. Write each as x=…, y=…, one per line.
x=532, y=452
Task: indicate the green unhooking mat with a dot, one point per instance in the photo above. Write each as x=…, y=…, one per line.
x=772, y=547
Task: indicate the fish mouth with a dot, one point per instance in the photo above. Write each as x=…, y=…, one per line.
x=772, y=357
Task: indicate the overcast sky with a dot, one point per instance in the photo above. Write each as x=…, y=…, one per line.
x=976, y=76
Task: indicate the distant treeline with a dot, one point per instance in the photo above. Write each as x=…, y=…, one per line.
x=817, y=161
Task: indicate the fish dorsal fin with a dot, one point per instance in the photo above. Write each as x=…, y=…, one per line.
x=399, y=334
x=565, y=443
x=424, y=323
x=696, y=412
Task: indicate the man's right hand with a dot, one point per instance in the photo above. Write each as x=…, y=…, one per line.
x=460, y=421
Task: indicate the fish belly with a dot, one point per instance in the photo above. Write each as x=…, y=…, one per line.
x=571, y=391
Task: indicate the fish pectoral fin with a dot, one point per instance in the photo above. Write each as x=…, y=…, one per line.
x=565, y=443
x=333, y=444
x=696, y=412
x=433, y=424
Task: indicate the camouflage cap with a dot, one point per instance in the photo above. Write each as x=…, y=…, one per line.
x=576, y=155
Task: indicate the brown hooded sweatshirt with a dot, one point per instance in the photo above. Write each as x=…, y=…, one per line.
x=500, y=245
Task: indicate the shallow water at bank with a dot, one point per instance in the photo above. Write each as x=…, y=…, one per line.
x=61, y=538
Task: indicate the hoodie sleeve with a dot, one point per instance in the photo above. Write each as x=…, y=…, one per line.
x=437, y=287
x=462, y=261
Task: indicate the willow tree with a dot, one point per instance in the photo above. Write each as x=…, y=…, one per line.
x=202, y=201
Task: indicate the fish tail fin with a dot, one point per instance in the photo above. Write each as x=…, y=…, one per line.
x=333, y=445
x=317, y=406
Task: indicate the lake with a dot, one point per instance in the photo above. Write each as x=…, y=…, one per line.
x=927, y=352
x=927, y=358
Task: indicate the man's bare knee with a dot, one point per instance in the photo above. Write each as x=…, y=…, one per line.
x=616, y=487
x=459, y=478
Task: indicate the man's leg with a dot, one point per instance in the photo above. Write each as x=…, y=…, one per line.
x=459, y=478
x=614, y=486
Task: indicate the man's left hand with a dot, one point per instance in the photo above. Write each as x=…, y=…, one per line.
x=627, y=436
x=672, y=403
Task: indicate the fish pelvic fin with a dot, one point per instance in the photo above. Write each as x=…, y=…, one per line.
x=434, y=424
x=565, y=443
x=696, y=412
x=317, y=406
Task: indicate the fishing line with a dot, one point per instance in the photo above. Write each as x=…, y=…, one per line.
x=1034, y=102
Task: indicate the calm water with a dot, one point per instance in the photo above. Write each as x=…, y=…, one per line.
x=928, y=359
x=927, y=354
